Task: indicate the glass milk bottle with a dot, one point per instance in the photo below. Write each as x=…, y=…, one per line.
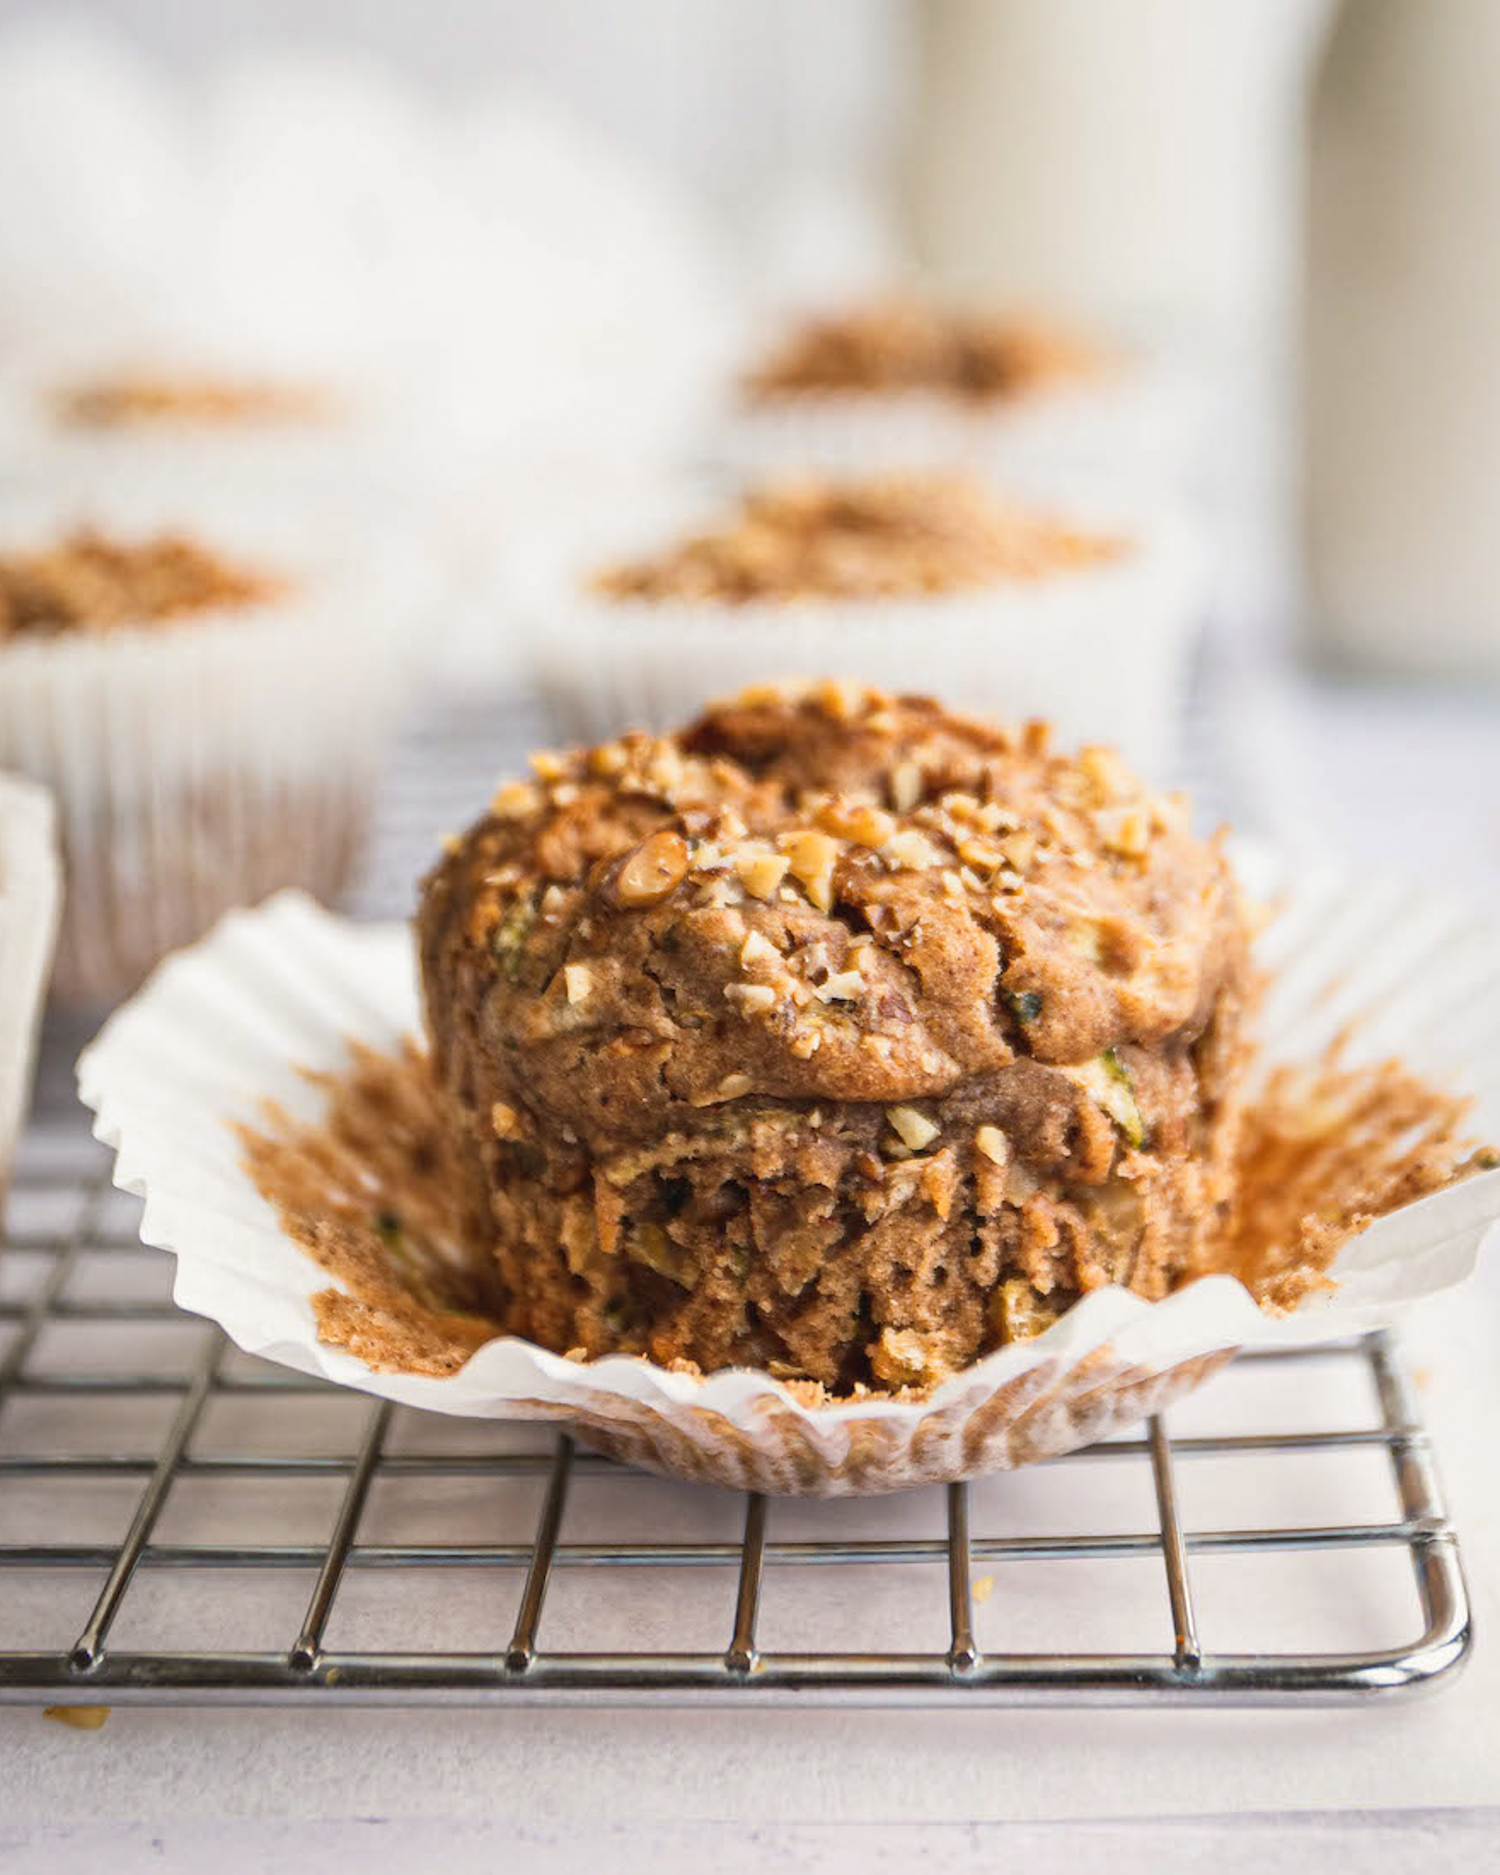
x=1401, y=339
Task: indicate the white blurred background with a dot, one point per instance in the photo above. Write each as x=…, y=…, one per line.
x=551, y=235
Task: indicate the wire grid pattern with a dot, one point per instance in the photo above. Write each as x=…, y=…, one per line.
x=89, y=1340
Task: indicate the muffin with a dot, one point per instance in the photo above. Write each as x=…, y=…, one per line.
x=838, y=1037
x=911, y=383
x=896, y=345
x=29, y=891
x=208, y=716
x=1013, y=610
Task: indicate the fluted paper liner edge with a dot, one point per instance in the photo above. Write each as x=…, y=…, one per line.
x=227, y=1025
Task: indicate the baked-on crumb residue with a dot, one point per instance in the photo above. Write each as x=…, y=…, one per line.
x=129, y=400
x=883, y=537
x=375, y=1194
x=902, y=345
x=91, y=582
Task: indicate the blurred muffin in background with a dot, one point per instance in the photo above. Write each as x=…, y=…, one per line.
x=210, y=713
x=992, y=604
x=901, y=345
x=30, y=888
x=903, y=381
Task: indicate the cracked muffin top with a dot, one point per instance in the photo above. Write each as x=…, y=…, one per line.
x=818, y=894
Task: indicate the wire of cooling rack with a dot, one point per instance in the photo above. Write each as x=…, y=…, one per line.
x=82, y=1351
x=61, y=1172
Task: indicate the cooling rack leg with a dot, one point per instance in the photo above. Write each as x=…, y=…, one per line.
x=1174, y=1550
x=86, y=1648
x=523, y=1642
x=963, y=1655
x=741, y=1655
x=304, y=1654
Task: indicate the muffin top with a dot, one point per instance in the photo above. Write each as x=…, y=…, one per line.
x=88, y=582
x=816, y=894
x=881, y=538
x=128, y=400
x=903, y=345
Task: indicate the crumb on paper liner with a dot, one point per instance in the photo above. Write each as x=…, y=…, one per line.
x=374, y=1191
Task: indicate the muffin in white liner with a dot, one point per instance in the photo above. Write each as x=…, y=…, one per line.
x=1102, y=650
x=227, y=1026
x=1143, y=422
x=832, y=397
x=30, y=894
x=200, y=762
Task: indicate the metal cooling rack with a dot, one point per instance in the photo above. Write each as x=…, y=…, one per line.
x=180, y=1523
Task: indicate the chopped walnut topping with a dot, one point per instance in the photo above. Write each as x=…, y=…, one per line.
x=864, y=826
x=515, y=801
x=992, y=1144
x=906, y=786
x=847, y=986
x=981, y=855
x=1124, y=830
x=912, y=1127
x=760, y=870
x=756, y=950
x=505, y=1121
x=608, y=759
x=548, y=765
x=750, y=999
x=734, y=1085
x=910, y=851
x=652, y=872
x=578, y=980
x=811, y=857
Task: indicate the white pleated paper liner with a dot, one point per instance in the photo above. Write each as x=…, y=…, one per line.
x=227, y=1025
x=200, y=763
x=30, y=894
x=1102, y=651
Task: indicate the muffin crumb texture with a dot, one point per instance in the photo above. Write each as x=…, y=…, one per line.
x=884, y=537
x=89, y=582
x=902, y=345
x=375, y=1192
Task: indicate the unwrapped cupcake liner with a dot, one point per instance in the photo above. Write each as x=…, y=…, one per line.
x=1103, y=651
x=30, y=894
x=233, y=1023
x=199, y=764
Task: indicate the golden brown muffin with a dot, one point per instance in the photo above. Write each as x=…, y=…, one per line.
x=904, y=345
x=837, y=1036
x=873, y=537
